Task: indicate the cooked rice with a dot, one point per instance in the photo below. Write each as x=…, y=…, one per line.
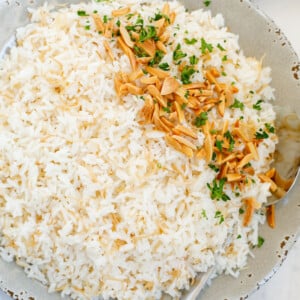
x=91, y=201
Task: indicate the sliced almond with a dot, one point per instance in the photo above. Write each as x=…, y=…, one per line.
x=179, y=129
x=179, y=147
x=170, y=85
x=148, y=108
x=108, y=49
x=148, y=46
x=108, y=29
x=180, y=112
x=221, y=105
x=160, y=26
x=167, y=122
x=126, y=37
x=234, y=177
x=184, y=141
x=238, y=132
x=264, y=178
x=172, y=17
x=120, y=12
x=148, y=80
x=247, y=158
x=208, y=143
x=133, y=89
x=271, y=173
x=98, y=22
x=251, y=205
x=165, y=37
x=195, y=85
x=271, y=216
x=166, y=9
x=157, y=72
x=160, y=46
x=154, y=92
x=135, y=75
x=283, y=183
x=252, y=149
x=143, y=60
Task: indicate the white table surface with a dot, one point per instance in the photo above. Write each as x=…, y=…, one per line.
x=285, y=284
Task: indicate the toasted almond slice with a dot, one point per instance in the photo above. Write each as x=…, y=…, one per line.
x=180, y=95
x=132, y=60
x=118, y=84
x=123, y=46
x=180, y=112
x=184, y=141
x=148, y=108
x=154, y=92
x=133, y=89
x=166, y=9
x=201, y=154
x=181, y=66
x=172, y=17
x=195, y=85
x=283, y=183
x=251, y=204
x=148, y=46
x=108, y=29
x=252, y=149
x=223, y=171
x=157, y=72
x=167, y=122
x=249, y=170
x=225, y=127
x=108, y=49
x=164, y=37
x=120, y=12
x=221, y=105
x=264, y=178
x=215, y=72
x=179, y=147
x=160, y=26
x=160, y=46
x=126, y=37
x=279, y=193
x=170, y=85
x=98, y=22
x=135, y=75
x=179, y=129
x=271, y=173
x=238, y=132
x=247, y=158
x=148, y=80
x=158, y=85
x=234, y=89
x=194, y=103
x=234, y=177
x=143, y=60
x=271, y=216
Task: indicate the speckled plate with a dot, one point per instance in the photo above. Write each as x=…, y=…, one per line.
x=259, y=36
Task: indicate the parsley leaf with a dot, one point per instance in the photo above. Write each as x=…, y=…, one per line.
x=82, y=13
x=261, y=134
x=201, y=119
x=191, y=41
x=203, y=213
x=241, y=211
x=219, y=145
x=194, y=60
x=186, y=73
x=205, y=46
x=257, y=105
x=230, y=138
x=220, y=47
x=216, y=190
x=219, y=215
x=213, y=167
x=178, y=54
x=260, y=241
x=147, y=33
x=157, y=58
x=164, y=66
x=270, y=128
x=237, y=104
x=207, y=3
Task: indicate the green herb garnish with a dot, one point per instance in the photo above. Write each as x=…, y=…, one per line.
x=230, y=138
x=157, y=58
x=191, y=41
x=82, y=13
x=257, y=105
x=219, y=215
x=237, y=104
x=164, y=66
x=178, y=54
x=186, y=74
x=201, y=119
x=214, y=167
x=194, y=60
x=205, y=46
x=220, y=47
x=260, y=241
x=270, y=128
x=216, y=190
x=261, y=134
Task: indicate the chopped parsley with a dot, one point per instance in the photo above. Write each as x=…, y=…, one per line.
x=241, y=211
x=139, y=52
x=260, y=241
x=261, y=134
x=218, y=215
x=239, y=236
x=216, y=190
x=82, y=13
x=186, y=74
x=203, y=213
x=166, y=109
x=214, y=167
x=178, y=54
x=164, y=66
x=237, y=104
x=205, y=46
x=105, y=19
x=270, y=128
x=220, y=47
x=206, y=2
x=118, y=23
x=257, y=105
x=183, y=106
x=159, y=16
x=201, y=119
x=87, y=27
x=223, y=73
x=191, y=41
x=157, y=58
x=194, y=60
x=224, y=58
x=230, y=138
x=147, y=33
x=219, y=145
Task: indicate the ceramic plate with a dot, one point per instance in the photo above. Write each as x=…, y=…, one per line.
x=259, y=37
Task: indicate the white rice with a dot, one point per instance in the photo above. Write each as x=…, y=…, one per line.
x=71, y=160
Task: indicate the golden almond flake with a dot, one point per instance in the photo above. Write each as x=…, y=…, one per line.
x=252, y=149
x=179, y=129
x=148, y=46
x=160, y=46
x=271, y=216
x=126, y=37
x=245, y=160
x=184, y=141
x=98, y=22
x=264, y=178
x=108, y=49
x=120, y=12
x=148, y=80
x=195, y=85
x=154, y=92
x=148, y=108
x=281, y=182
x=136, y=75
x=180, y=112
x=160, y=26
x=157, y=72
x=143, y=60
x=166, y=9
x=169, y=86
x=164, y=37
x=234, y=177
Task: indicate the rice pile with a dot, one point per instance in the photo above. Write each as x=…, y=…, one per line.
x=91, y=201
